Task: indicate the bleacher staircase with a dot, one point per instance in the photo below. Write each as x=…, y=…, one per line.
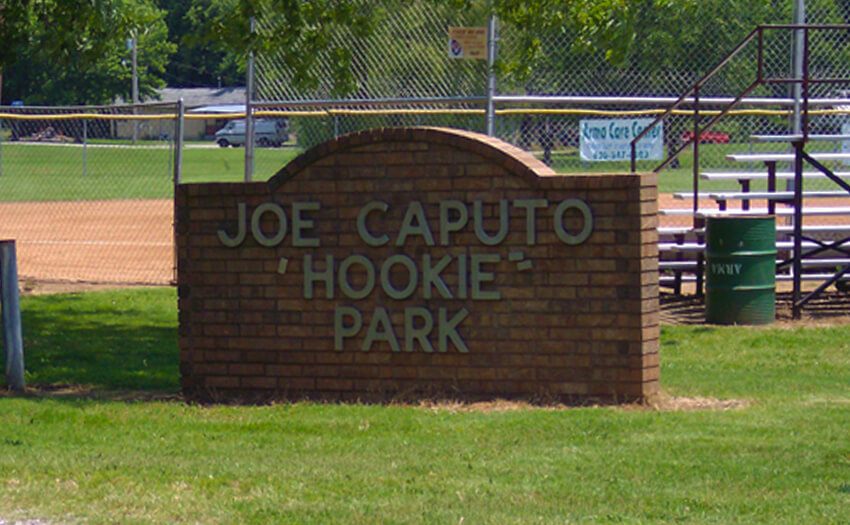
x=813, y=227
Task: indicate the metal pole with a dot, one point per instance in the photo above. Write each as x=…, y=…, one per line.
x=797, y=264
x=178, y=173
x=85, y=148
x=491, y=72
x=249, y=120
x=799, y=16
x=178, y=142
x=695, y=174
x=135, y=88
x=12, y=339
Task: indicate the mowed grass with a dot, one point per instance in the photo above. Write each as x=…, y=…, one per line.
x=783, y=457
x=37, y=172
x=678, y=177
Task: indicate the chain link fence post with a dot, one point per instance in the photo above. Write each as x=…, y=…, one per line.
x=491, y=71
x=249, y=113
x=11, y=313
x=178, y=141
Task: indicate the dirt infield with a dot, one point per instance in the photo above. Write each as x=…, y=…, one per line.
x=124, y=241
x=115, y=241
x=108, y=241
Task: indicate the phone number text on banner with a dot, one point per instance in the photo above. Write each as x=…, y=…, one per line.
x=610, y=139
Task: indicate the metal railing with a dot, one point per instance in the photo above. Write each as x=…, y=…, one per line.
x=692, y=94
x=801, y=79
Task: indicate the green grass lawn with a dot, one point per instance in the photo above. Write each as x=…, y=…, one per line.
x=676, y=178
x=782, y=458
x=36, y=172
x=44, y=172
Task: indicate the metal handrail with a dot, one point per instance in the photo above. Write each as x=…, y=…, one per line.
x=760, y=79
x=693, y=90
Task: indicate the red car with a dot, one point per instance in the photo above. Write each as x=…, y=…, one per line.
x=708, y=137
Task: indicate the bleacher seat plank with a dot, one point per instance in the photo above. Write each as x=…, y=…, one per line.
x=784, y=157
x=781, y=212
x=779, y=277
x=699, y=246
x=774, y=195
x=797, y=137
x=762, y=175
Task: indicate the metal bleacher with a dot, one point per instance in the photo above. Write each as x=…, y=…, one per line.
x=824, y=245
x=813, y=226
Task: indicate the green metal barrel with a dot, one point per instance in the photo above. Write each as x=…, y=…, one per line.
x=740, y=281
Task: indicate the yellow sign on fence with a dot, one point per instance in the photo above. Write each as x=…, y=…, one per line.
x=468, y=42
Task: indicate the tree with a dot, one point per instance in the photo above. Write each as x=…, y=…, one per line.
x=300, y=34
x=91, y=66
x=64, y=17
x=199, y=61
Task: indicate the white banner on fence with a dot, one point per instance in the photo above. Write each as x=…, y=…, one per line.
x=609, y=139
x=845, y=144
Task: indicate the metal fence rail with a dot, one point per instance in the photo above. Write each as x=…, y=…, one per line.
x=86, y=204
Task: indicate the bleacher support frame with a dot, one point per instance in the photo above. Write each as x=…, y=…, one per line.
x=798, y=142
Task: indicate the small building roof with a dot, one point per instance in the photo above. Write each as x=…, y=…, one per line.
x=197, y=97
x=220, y=109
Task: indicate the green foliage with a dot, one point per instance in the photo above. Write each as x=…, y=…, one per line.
x=95, y=67
x=79, y=27
x=72, y=51
x=580, y=26
x=200, y=60
x=305, y=37
x=670, y=40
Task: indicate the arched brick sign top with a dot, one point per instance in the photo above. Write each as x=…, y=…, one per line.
x=489, y=149
x=417, y=262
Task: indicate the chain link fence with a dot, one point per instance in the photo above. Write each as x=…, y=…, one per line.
x=87, y=191
x=402, y=75
x=86, y=204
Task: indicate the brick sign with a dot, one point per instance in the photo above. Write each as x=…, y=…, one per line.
x=412, y=262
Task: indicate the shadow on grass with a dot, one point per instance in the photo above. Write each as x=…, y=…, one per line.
x=119, y=340
x=830, y=307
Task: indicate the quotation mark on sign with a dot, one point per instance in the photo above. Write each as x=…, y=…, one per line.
x=519, y=258
x=281, y=266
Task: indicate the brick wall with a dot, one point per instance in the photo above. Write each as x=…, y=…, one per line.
x=419, y=262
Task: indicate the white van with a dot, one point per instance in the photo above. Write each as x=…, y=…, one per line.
x=267, y=132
